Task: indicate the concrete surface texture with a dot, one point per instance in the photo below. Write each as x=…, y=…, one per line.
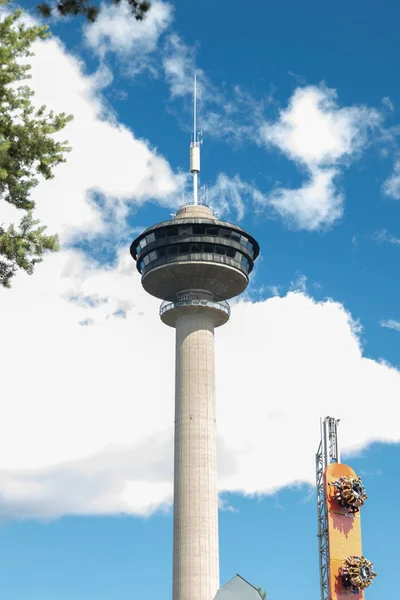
x=195, y=211
x=196, y=555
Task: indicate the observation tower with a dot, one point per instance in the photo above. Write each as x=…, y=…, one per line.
x=195, y=263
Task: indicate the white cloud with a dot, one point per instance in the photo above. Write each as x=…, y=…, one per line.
x=385, y=236
x=388, y=104
x=391, y=324
x=315, y=131
x=391, y=187
x=179, y=62
x=319, y=136
x=317, y=204
x=299, y=285
x=229, y=195
x=117, y=31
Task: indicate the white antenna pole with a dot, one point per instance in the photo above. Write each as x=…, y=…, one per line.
x=194, y=109
x=195, y=148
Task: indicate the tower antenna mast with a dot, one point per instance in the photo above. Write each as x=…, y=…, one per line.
x=195, y=109
x=195, y=148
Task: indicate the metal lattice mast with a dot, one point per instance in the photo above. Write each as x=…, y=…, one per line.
x=328, y=452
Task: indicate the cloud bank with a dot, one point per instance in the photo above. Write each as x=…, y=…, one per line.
x=88, y=427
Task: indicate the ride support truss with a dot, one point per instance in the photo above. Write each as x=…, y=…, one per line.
x=328, y=452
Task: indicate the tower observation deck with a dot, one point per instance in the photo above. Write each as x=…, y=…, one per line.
x=195, y=263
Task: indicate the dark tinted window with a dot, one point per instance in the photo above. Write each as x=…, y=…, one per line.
x=209, y=248
x=184, y=249
x=172, y=250
x=220, y=250
x=231, y=252
x=172, y=231
x=161, y=252
x=195, y=248
x=185, y=230
x=212, y=230
x=235, y=236
x=199, y=229
x=160, y=233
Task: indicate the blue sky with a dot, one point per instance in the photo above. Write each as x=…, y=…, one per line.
x=299, y=105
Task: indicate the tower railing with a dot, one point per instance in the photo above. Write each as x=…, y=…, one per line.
x=200, y=202
x=191, y=299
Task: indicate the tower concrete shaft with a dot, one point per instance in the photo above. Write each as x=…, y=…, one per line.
x=196, y=556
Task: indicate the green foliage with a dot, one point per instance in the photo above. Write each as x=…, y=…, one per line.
x=24, y=248
x=27, y=147
x=262, y=594
x=138, y=8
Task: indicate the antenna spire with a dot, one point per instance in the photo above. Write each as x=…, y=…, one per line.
x=195, y=148
x=195, y=109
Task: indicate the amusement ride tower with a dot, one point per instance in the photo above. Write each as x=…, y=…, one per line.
x=344, y=572
x=195, y=263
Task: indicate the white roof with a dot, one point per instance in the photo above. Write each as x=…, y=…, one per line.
x=237, y=588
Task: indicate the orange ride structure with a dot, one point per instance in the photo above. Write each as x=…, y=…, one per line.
x=344, y=572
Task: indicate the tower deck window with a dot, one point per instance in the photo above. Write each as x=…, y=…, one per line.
x=245, y=261
x=150, y=238
x=185, y=230
x=212, y=231
x=171, y=231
